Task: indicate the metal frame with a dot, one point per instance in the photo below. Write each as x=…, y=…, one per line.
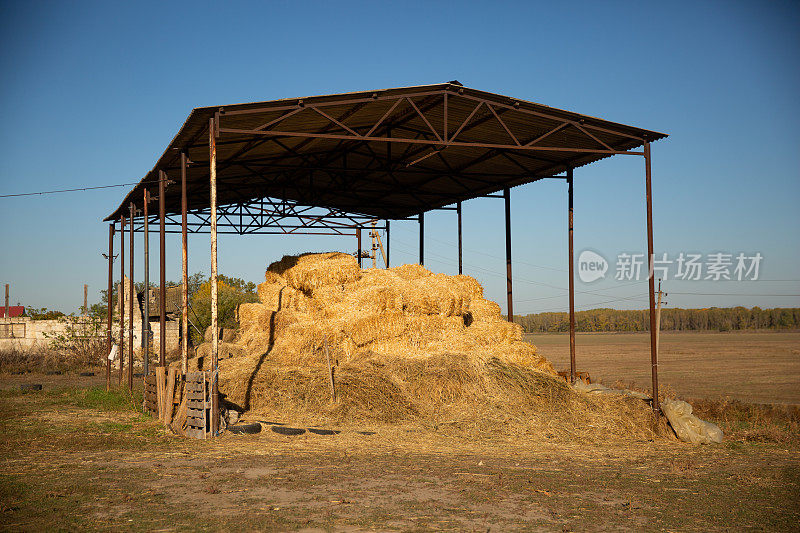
x=408, y=123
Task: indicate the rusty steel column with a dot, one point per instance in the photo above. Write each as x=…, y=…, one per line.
x=387, y=245
x=422, y=238
x=652, y=295
x=358, y=240
x=460, y=251
x=571, y=281
x=212, y=146
x=162, y=267
x=131, y=297
x=509, y=289
x=121, y=297
x=109, y=300
x=146, y=314
x=185, y=270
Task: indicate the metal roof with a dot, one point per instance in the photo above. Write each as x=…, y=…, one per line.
x=391, y=153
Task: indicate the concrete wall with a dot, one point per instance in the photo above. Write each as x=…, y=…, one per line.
x=34, y=334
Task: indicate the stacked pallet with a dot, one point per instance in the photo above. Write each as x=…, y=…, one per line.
x=183, y=403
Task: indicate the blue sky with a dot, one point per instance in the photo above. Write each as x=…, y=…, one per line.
x=93, y=92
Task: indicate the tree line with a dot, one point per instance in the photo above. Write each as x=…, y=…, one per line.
x=709, y=319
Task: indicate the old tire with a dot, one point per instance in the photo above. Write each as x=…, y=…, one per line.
x=283, y=430
x=320, y=431
x=245, y=429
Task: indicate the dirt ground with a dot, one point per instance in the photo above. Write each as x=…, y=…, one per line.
x=760, y=367
x=75, y=457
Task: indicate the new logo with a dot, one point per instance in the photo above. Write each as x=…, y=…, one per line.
x=591, y=266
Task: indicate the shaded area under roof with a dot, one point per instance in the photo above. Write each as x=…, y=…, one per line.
x=390, y=154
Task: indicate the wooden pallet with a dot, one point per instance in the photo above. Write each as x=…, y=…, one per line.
x=151, y=395
x=162, y=393
x=198, y=412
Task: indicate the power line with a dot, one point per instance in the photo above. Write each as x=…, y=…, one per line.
x=78, y=189
x=727, y=294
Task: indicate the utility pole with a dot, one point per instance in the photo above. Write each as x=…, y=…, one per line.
x=658, y=320
x=8, y=294
x=85, y=299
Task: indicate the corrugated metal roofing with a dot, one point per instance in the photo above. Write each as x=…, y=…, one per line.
x=375, y=177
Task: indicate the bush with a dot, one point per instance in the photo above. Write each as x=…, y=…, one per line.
x=230, y=293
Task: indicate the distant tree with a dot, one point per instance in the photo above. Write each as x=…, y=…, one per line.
x=42, y=313
x=230, y=293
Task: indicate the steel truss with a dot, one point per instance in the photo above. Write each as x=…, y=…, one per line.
x=266, y=216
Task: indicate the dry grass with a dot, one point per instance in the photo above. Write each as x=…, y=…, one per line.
x=44, y=358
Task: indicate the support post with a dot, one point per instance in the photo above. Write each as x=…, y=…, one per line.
x=121, y=297
x=509, y=289
x=185, y=271
x=85, y=299
x=131, y=297
x=146, y=315
x=460, y=250
x=571, y=258
x=387, y=244
x=214, y=319
x=372, y=234
x=8, y=295
x=651, y=284
x=422, y=238
x=109, y=300
x=358, y=245
x=162, y=267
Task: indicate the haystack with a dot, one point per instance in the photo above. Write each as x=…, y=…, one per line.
x=406, y=345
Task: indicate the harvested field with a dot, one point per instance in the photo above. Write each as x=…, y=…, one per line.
x=760, y=367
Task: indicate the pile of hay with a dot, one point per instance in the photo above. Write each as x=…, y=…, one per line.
x=406, y=344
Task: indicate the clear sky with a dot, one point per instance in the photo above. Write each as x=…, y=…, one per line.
x=92, y=93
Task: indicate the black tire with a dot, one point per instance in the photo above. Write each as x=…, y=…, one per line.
x=87, y=374
x=30, y=386
x=53, y=372
x=245, y=429
x=282, y=430
x=320, y=431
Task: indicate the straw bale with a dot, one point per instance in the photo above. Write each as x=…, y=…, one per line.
x=377, y=327
x=269, y=294
x=411, y=272
x=467, y=285
x=309, y=271
x=301, y=341
x=431, y=296
x=274, y=278
x=494, y=332
x=225, y=350
x=484, y=310
x=255, y=315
